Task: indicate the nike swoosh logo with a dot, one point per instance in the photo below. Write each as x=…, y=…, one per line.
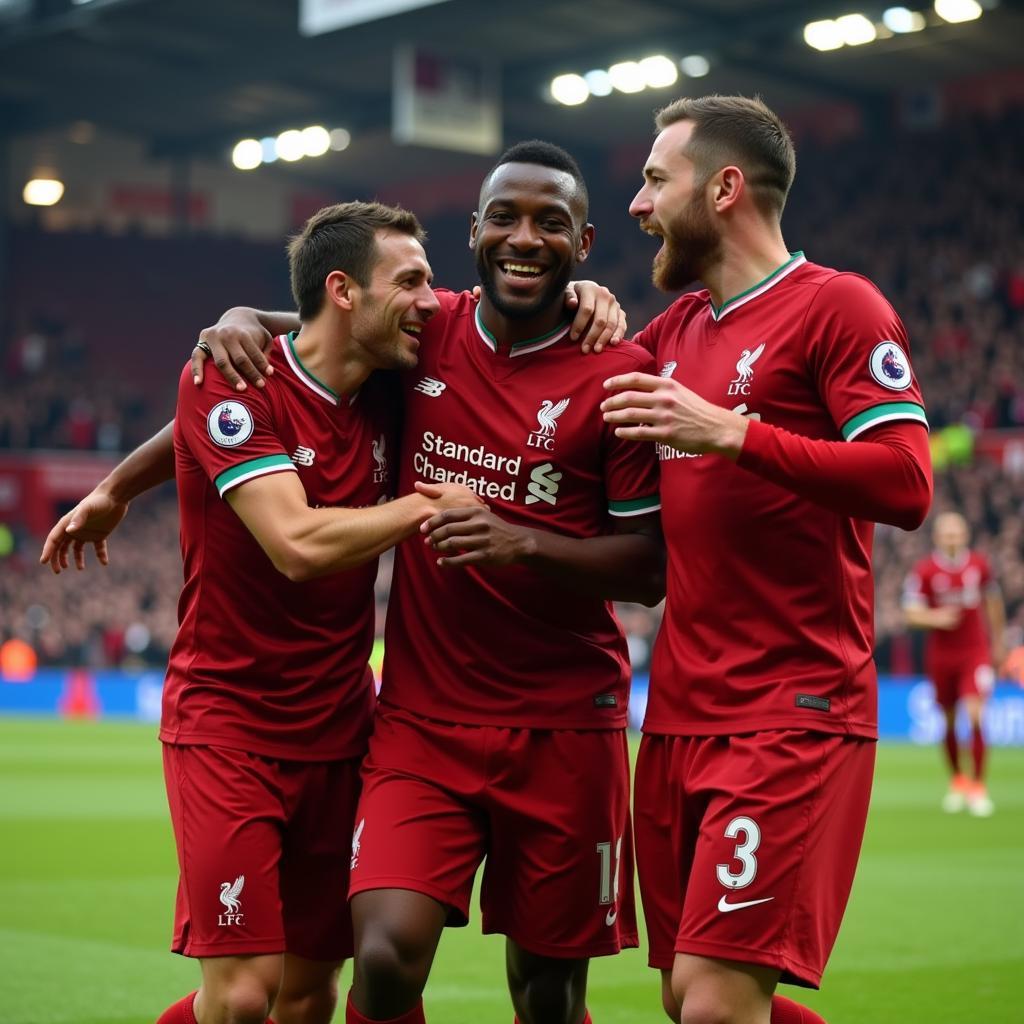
x=610, y=917
x=726, y=907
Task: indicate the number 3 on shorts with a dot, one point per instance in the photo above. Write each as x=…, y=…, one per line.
x=744, y=853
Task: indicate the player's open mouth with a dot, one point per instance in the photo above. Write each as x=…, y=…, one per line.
x=412, y=330
x=519, y=270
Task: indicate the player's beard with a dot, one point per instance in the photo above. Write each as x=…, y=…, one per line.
x=521, y=310
x=692, y=244
x=383, y=338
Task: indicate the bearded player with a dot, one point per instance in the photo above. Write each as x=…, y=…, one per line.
x=952, y=594
x=268, y=699
x=788, y=421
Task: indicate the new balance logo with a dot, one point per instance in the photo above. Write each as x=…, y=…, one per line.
x=303, y=456
x=543, y=485
x=430, y=387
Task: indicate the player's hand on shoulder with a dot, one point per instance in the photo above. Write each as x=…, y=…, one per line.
x=598, y=318
x=91, y=521
x=237, y=344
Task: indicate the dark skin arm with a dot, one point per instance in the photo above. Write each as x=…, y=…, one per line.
x=239, y=341
x=628, y=565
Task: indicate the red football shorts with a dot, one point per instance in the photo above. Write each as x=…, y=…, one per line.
x=747, y=845
x=955, y=679
x=263, y=851
x=549, y=809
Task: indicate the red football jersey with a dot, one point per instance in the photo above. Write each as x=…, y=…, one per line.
x=938, y=581
x=274, y=667
x=510, y=645
x=769, y=618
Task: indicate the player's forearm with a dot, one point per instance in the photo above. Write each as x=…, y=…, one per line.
x=995, y=612
x=275, y=323
x=619, y=567
x=150, y=465
x=332, y=540
x=884, y=479
x=921, y=617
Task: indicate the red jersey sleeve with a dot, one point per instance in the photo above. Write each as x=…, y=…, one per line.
x=233, y=438
x=860, y=357
x=631, y=467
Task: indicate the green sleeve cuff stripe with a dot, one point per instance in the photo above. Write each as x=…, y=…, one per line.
x=634, y=507
x=247, y=470
x=883, y=414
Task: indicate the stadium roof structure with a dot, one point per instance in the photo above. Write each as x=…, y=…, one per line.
x=191, y=77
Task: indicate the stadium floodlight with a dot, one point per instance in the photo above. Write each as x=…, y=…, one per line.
x=570, y=90
x=599, y=82
x=315, y=140
x=695, y=66
x=628, y=76
x=340, y=139
x=269, y=146
x=42, y=191
x=856, y=30
x=823, y=35
x=289, y=145
x=956, y=11
x=247, y=154
x=902, y=19
x=659, y=72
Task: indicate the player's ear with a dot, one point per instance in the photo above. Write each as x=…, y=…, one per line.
x=586, y=241
x=340, y=288
x=473, y=224
x=727, y=188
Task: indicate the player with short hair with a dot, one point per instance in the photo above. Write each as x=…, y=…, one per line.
x=945, y=594
x=754, y=772
x=268, y=700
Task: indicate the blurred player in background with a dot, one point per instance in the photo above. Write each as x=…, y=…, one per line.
x=268, y=701
x=754, y=773
x=952, y=594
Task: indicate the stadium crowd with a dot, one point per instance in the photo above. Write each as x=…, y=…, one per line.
x=913, y=217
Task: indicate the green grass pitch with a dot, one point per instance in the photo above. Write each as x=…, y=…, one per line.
x=934, y=932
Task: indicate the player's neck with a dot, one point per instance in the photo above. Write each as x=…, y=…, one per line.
x=748, y=258
x=507, y=331
x=332, y=360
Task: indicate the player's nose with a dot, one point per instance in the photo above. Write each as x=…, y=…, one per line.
x=426, y=302
x=641, y=205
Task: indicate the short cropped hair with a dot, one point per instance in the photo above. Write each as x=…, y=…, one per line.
x=743, y=131
x=341, y=237
x=544, y=154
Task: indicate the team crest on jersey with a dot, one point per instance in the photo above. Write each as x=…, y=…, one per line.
x=229, y=424
x=380, y=473
x=230, y=893
x=547, y=423
x=668, y=369
x=357, y=842
x=890, y=367
x=740, y=385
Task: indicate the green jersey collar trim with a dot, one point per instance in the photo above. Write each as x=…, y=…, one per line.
x=520, y=348
x=796, y=259
x=313, y=383
x=634, y=506
x=235, y=475
x=885, y=413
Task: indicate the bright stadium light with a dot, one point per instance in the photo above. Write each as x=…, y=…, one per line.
x=823, y=35
x=340, y=139
x=42, y=191
x=901, y=19
x=289, y=145
x=247, y=154
x=695, y=66
x=627, y=76
x=599, y=82
x=659, y=72
x=856, y=30
x=569, y=89
x=956, y=11
x=315, y=140
x=269, y=146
